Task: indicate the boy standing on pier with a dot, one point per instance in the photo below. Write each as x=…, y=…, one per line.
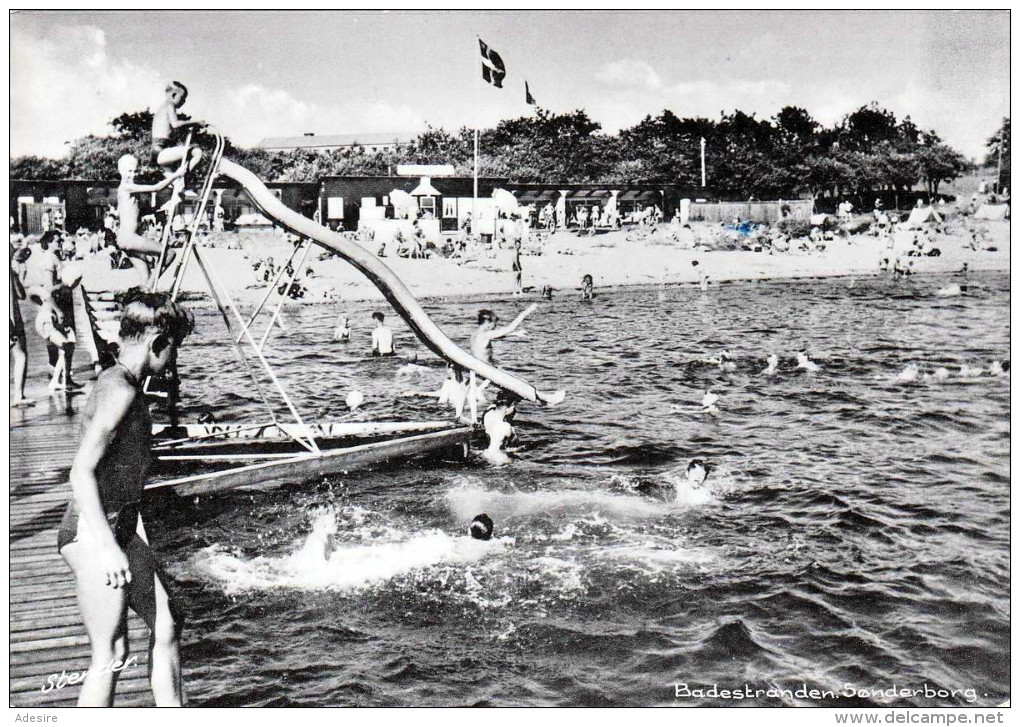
x=102, y=537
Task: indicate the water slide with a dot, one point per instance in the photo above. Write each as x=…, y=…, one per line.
x=381, y=276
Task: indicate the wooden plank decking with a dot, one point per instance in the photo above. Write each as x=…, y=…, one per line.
x=47, y=636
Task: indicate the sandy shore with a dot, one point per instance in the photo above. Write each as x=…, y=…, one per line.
x=610, y=258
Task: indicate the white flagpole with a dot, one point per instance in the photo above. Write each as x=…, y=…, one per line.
x=474, y=196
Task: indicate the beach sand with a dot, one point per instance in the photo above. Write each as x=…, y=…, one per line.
x=610, y=258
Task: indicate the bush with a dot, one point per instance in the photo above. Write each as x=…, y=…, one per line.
x=795, y=228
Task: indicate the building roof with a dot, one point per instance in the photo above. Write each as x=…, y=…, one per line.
x=319, y=141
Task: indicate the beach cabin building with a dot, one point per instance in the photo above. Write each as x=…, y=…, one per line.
x=83, y=202
x=441, y=204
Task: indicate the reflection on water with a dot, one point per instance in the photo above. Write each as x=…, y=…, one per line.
x=854, y=529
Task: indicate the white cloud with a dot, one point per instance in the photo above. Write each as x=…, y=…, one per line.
x=67, y=84
x=629, y=74
x=253, y=112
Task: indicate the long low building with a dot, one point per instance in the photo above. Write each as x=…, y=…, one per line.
x=342, y=203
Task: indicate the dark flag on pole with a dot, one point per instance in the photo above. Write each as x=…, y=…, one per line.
x=493, y=70
x=528, y=98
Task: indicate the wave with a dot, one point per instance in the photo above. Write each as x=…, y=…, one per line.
x=468, y=499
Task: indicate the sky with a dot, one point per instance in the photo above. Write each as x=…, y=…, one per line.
x=260, y=74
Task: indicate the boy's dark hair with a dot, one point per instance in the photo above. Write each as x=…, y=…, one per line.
x=699, y=463
x=379, y=316
x=50, y=236
x=481, y=527
x=22, y=254
x=505, y=398
x=178, y=84
x=62, y=297
x=486, y=316
x=1005, y=365
x=145, y=312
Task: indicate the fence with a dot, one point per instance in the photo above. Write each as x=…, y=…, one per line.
x=754, y=211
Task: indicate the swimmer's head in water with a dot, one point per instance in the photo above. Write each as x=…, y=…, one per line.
x=486, y=316
x=481, y=527
x=1005, y=365
x=697, y=471
x=377, y=316
x=508, y=400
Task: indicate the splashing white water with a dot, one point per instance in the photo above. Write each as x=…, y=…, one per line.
x=363, y=555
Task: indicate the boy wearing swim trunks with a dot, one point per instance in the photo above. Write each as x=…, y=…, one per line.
x=164, y=121
x=102, y=537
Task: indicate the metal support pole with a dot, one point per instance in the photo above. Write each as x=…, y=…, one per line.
x=702, y=161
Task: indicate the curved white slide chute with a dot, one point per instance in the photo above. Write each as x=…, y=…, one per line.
x=381, y=276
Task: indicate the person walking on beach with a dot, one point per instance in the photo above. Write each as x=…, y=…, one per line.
x=102, y=537
x=517, y=269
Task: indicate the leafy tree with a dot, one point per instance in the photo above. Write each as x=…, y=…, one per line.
x=781, y=157
x=867, y=127
x=940, y=163
x=33, y=167
x=1000, y=138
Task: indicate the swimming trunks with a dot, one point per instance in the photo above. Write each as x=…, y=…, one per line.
x=158, y=145
x=123, y=522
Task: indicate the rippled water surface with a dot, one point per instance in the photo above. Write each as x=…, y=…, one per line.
x=855, y=531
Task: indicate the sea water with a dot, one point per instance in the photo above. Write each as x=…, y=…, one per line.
x=852, y=537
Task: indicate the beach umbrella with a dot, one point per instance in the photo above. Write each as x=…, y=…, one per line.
x=504, y=201
x=402, y=203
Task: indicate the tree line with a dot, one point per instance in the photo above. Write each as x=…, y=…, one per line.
x=789, y=155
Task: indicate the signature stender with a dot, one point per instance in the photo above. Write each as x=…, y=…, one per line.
x=63, y=679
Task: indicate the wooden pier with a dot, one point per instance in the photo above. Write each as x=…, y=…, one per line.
x=47, y=636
